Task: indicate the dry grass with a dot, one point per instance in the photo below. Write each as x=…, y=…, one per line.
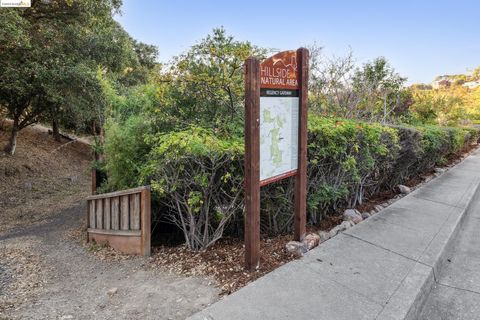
x=40, y=179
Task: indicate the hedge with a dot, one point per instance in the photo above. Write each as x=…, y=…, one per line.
x=197, y=177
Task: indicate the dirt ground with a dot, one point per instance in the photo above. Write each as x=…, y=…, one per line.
x=46, y=274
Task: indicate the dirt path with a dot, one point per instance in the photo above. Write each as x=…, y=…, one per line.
x=78, y=285
x=44, y=274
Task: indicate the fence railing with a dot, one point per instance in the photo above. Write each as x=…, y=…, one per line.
x=122, y=218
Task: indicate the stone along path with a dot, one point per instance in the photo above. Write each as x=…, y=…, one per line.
x=382, y=268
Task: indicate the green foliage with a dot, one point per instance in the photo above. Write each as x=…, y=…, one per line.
x=198, y=177
x=450, y=103
x=373, y=92
x=343, y=156
x=204, y=86
x=126, y=151
x=50, y=55
x=126, y=130
x=183, y=134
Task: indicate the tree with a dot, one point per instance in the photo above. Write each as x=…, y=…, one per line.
x=476, y=74
x=205, y=85
x=373, y=92
x=50, y=57
x=330, y=83
x=379, y=86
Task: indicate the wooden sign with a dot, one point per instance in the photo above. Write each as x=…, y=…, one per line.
x=275, y=137
x=279, y=106
x=280, y=71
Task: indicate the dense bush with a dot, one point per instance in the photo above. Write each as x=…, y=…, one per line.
x=349, y=161
x=423, y=147
x=346, y=160
x=197, y=176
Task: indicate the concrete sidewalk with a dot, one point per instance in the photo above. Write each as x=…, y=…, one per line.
x=383, y=268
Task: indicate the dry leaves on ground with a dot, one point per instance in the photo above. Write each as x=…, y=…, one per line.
x=22, y=274
x=224, y=261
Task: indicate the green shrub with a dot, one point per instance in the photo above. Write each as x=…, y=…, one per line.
x=125, y=151
x=198, y=177
x=345, y=158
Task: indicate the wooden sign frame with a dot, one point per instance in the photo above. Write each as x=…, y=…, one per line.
x=252, y=152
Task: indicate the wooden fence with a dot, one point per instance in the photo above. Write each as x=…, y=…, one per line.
x=122, y=218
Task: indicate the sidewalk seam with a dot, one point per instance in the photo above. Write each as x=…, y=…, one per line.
x=439, y=202
x=388, y=250
x=457, y=288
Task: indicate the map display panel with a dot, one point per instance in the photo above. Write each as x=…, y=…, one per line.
x=278, y=136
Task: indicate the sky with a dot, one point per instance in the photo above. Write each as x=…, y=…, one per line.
x=421, y=39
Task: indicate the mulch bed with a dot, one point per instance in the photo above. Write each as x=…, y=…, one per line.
x=224, y=261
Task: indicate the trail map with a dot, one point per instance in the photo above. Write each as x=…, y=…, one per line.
x=278, y=136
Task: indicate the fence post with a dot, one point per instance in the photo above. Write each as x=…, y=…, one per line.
x=146, y=221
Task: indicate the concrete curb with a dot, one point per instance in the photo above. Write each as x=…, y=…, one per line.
x=408, y=301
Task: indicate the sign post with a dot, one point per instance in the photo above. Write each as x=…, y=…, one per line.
x=300, y=209
x=276, y=93
x=252, y=163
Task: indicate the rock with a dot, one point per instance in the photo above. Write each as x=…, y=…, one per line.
x=391, y=201
x=378, y=207
x=353, y=215
x=333, y=232
x=72, y=179
x=112, y=291
x=404, y=189
x=341, y=227
x=296, y=248
x=365, y=215
x=428, y=179
x=439, y=170
x=324, y=236
x=347, y=224
x=28, y=185
x=311, y=240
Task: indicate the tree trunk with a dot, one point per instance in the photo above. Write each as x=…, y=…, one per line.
x=384, y=109
x=55, y=130
x=12, y=142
